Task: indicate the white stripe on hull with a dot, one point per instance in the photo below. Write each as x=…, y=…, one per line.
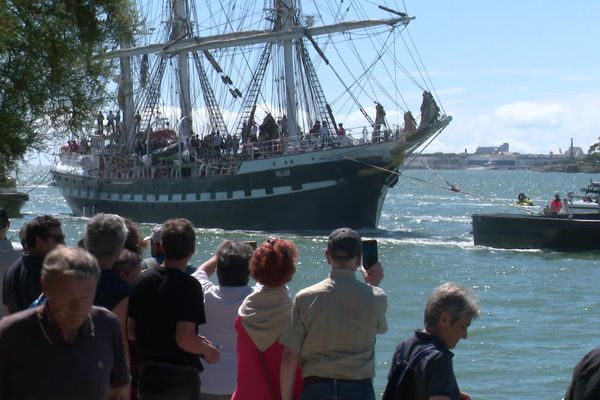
x=193, y=197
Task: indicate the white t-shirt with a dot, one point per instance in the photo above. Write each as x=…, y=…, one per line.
x=9, y=254
x=221, y=305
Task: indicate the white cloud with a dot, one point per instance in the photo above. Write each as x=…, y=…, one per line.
x=533, y=126
x=530, y=115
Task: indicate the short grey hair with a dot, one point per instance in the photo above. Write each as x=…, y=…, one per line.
x=458, y=301
x=73, y=262
x=105, y=235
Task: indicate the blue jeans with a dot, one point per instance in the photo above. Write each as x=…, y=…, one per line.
x=337, y=390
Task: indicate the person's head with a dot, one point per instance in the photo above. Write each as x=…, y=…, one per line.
x=178, y=239
x=557, y=196
x=128, y=266
x=42, y=235
x=274, y=263
x=233, y=259
x=105, y=236
x=344, y=248
x=449, y=312
x=155, y=241
x=134, y=241
x=69, y=279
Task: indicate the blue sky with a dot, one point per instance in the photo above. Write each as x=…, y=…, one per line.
x=524, y=72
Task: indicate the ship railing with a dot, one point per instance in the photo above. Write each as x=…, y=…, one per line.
x=70, y=158
x=227, y=163
x=221, y=167
x=307, y=144
x=310, y=142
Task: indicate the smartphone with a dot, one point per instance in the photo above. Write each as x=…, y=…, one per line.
x=251, y=243
x=369, y=253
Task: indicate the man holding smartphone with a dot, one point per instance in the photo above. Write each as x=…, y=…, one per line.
x=333, y=327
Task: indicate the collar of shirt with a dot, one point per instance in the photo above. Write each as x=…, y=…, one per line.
x=429, y=338
x=342, y=273
x=52, y=332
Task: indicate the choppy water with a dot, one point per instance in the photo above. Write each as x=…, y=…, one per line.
x=540, y=310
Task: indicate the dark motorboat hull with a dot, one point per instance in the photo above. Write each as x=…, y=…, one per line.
x=12, y=202
x=579, y=232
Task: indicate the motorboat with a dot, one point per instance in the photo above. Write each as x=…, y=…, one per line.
x=562, y=232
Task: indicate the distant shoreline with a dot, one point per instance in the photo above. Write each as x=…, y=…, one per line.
x=503, y=161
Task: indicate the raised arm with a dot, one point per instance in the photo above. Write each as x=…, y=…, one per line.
x=374, y=275
x=209, y=266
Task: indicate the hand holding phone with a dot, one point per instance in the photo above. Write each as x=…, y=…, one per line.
x=251, y=243
x=369, y=253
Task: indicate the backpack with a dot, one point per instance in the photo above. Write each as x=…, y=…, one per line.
x=401, y=380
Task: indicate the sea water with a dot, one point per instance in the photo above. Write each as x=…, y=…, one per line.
x=540, y=309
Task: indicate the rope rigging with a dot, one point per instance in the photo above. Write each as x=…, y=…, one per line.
x=40, y=182
x=371, y=84
x=446, y=186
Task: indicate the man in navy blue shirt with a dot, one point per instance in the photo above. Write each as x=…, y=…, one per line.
x=422, y=365
x=70, y=348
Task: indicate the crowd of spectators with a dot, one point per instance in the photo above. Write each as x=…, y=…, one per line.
x=98, y=321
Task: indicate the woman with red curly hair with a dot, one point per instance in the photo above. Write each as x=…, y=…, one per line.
x=261, y=320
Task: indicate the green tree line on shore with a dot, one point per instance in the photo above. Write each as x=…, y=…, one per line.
x=52, y=76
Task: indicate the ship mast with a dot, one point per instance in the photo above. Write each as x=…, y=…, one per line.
x=181, y=29
x=125, y=95
x=286, y=12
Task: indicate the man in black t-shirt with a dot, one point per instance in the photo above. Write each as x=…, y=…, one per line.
x=422, y=365
x=165, y=309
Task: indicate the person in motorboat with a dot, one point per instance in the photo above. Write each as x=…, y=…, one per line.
x=556, y=205
x=523, y=200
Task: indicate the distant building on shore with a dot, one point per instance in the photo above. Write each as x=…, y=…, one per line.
x=492, y=150
x=494, y=157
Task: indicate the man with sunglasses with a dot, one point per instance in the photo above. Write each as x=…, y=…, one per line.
x=22, y=280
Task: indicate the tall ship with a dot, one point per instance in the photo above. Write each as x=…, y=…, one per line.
x=256, y=116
